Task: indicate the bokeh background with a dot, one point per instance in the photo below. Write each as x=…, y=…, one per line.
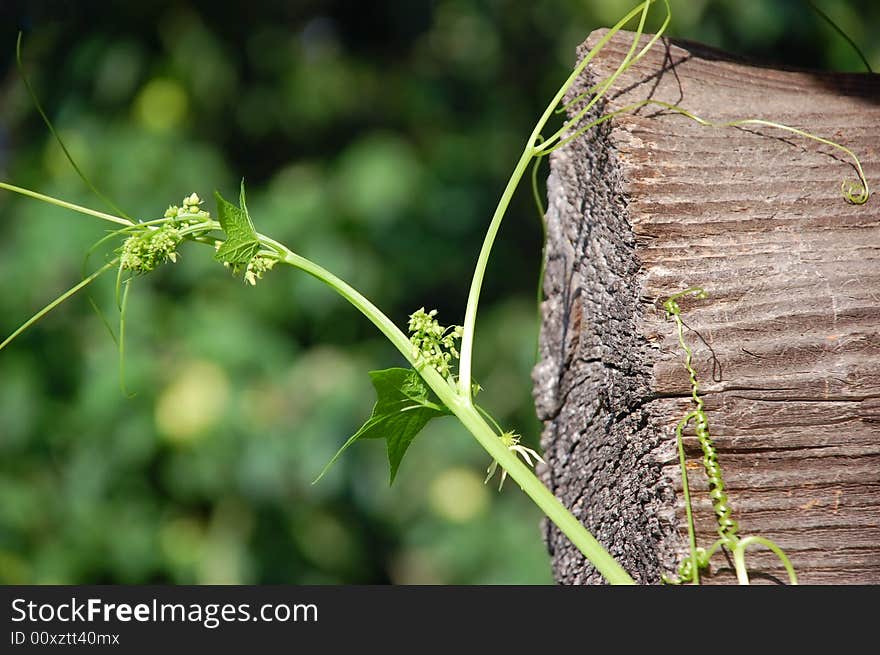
x=375, y=138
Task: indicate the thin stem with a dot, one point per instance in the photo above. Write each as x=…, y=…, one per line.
x=849, y=190
x=60, y=299
x=53, y=131
x=539, y=291
x=855, y=192
x=739, y=558
x=605, y=84
x=601, y=87
x=576, y=73
x=486, y=415
x=368, y=309
x=840, y=31
x=65, y=204
x=692, y=537
x=123, y=307
x=529, y=151
x=470, y=314
x=739, y=565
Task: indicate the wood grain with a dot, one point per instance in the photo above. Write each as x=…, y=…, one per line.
x=787, y=346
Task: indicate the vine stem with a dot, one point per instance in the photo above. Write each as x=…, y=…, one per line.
x=459, y=404
x=65, y=204
x=530, y=150
x=855, y=192
x=726, y=528
x=686, y=492
x=60, y=299
x=466, y=412
x=470, y=314
x=739, y=558
x=458, y=400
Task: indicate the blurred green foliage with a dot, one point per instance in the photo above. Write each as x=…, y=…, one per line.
x=375, y=138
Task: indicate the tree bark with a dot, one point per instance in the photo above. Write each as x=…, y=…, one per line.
x=786, y=345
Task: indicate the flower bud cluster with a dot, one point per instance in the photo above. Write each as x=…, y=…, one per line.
x=432, y=343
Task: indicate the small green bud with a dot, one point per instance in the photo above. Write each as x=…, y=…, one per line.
x=145, y=250
x=432, y=343
x=256, y=267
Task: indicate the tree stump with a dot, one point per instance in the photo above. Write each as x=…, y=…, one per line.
x=786, y=345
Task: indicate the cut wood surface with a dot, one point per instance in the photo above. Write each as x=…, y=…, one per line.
x=786, y=346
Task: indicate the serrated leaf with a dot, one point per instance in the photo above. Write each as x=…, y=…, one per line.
x=402, y=409
x=241, y=238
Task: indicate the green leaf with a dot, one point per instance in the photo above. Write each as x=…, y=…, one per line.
x=241, y=238
x=402, y=409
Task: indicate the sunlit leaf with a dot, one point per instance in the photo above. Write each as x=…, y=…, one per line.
x=241, y=238
x=402, y=409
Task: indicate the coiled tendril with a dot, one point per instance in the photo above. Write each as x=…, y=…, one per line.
x=689, y=569
x=727, y=527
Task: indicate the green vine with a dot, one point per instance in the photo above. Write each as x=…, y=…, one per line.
x=439, y=381
x=727, y=527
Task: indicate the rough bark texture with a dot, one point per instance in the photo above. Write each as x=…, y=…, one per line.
x=786, y=346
